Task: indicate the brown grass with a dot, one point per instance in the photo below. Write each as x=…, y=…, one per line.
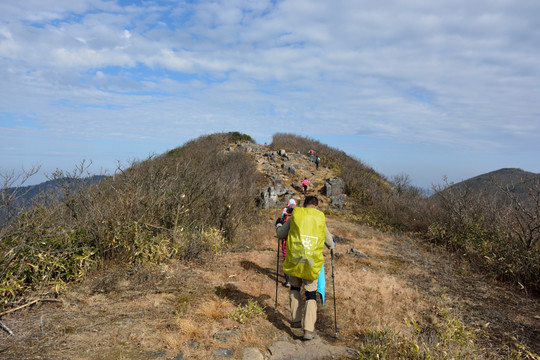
x=215, y=309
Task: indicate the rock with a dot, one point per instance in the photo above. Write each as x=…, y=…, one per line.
x=279, y=190
x=338, y=201
x=223, y=353
x=224, y=336
x=290, y=168
x=283, y=155
x=252, y=354
x=179, y=357
x=356, y=253
x=297, y=186
x=333, y=187
x=277, y=181
x=306, y=350
x=267, y=198
x=157, y=354
x=271, y=155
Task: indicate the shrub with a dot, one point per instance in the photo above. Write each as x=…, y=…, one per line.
x=495, y=231
x=191, y=202
x=247, y=312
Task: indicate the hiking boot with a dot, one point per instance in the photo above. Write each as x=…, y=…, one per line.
x=309, y=335
x=296, y=324
x=287, y=284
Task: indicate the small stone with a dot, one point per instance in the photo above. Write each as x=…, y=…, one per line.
x=252, y=354
x=224, y=336
x=223, y=353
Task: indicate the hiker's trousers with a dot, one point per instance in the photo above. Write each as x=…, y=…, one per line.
x=297, y=304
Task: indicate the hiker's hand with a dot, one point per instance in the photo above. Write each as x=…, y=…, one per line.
x=279, y=225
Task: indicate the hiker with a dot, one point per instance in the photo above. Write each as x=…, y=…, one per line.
x=317, y=161
x=284, y=217
x=311, y=152
x=305, y=184
x=291, y=204
x=307, y=235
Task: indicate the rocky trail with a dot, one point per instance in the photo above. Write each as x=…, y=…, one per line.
x=386, y=286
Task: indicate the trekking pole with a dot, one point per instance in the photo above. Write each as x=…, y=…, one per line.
x=277, y=275
x=334, y=288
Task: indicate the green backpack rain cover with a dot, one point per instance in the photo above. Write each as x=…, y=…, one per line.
x=305, y=244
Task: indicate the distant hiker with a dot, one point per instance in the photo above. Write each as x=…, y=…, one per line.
x=317, y=161
x=307, y=235
x=305, y=184
x=311, y=152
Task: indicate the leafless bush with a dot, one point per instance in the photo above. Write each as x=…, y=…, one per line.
x=12, y=196
x=499, y=232
x=191, y=202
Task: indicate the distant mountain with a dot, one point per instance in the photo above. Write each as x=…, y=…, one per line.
x=517, y=181
x=24, y=195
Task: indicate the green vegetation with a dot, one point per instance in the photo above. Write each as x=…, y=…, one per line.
x=236, y=136
x=247, y=312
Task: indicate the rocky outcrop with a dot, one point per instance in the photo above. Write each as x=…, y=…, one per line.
x=334, y=186
x=282, y=170
x=290, y=168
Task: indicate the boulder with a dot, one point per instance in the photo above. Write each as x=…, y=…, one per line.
x=308, y=350
x=271, y=155
x=334, y=186
x=290, y=167
x=267, y=198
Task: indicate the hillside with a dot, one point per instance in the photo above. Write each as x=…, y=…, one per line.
x=515, y=180
x=395, y=298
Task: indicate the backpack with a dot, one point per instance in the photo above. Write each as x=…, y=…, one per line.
x=305, y=244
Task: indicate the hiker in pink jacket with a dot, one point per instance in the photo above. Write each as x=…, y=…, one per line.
x=305, y=184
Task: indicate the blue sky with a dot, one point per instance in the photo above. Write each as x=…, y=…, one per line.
x=425, y=88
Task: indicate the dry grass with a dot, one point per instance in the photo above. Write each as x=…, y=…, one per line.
x=190, y=329
x=215, y=309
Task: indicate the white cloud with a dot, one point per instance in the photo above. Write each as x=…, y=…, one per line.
x=456, y=73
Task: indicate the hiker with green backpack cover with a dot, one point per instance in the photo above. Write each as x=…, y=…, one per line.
x=307, y=236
